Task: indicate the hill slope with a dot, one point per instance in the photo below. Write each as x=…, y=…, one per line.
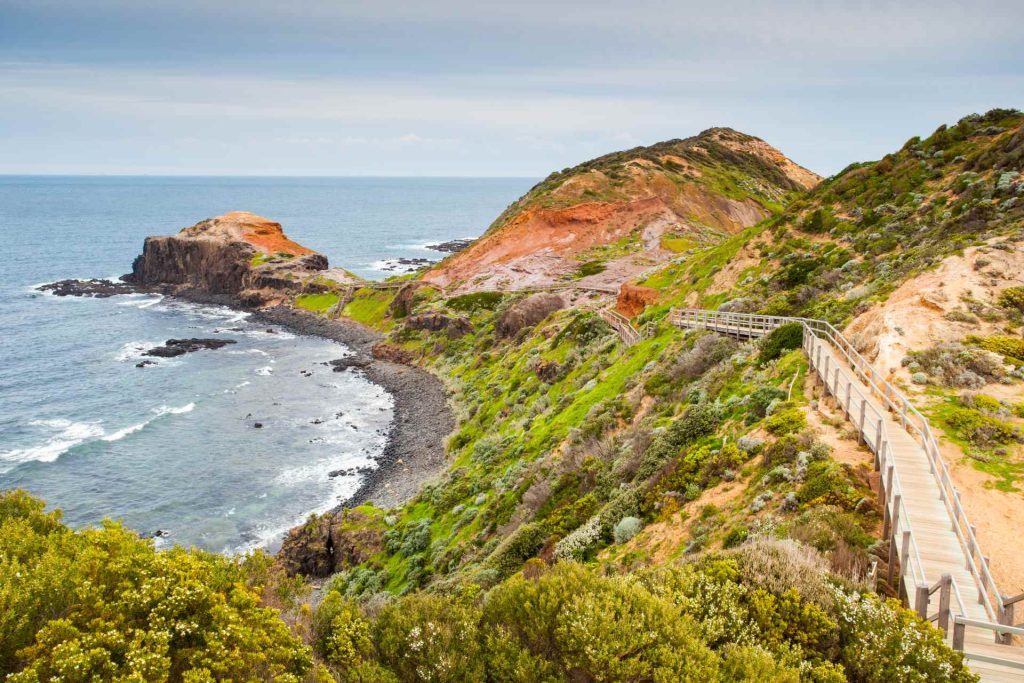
x=625, y=212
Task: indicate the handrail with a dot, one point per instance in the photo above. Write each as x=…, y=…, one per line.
x=910, y=417
x=620, y=323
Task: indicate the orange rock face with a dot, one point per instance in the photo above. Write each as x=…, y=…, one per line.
x=633, y=299
x=263, y=233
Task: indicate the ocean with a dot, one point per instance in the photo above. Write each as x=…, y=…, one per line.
x=172, y=449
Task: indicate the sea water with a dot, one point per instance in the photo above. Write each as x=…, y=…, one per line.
x=174, y=447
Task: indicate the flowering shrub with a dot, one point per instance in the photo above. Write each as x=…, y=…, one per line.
x=102, y=604
x=881, y=642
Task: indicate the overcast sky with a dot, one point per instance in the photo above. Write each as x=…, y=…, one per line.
x=451, y=87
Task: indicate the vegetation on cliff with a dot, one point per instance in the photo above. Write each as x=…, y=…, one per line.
x=669, y=510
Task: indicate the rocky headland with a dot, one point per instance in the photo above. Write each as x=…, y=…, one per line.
x=238, y=258
x=246, y=261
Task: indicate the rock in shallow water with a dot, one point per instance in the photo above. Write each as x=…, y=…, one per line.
x=100, y=289
x=179, y=347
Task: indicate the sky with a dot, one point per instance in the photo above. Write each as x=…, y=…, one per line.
x=480, y=88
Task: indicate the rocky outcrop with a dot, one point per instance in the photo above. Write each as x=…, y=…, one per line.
x=437, y=322
x=100, y=289
x=633, y=299
x=391, y=353
x=528, y=312
x=330, y=543
x=179, y=347
x=238, y=256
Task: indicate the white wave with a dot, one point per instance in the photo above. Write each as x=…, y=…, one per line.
x=393, y=267
x=172, y=410
x=121, y=433
x=157, y=414
x=266, y=371
x=136, y=301
x=247, y=352
x=134, y=350
x=70, y=434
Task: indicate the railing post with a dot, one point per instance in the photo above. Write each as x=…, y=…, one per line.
x=824, y=376
x=878, y=437
x=863, y=408
x=959, y=631
x=970, y=545
x=1004, y=616
x=905, y=554
x=944, y=591
x=921, y=601
x=891, y=538
x=849, y=387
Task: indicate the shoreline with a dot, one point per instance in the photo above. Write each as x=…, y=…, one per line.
x=422, y=418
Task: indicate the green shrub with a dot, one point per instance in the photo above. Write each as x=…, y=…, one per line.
x=1012, y=298
x=518, y=547
x=1004, y=345
x=102, y=603
x=827, y=484
x=735, y=536
x=882, y=642
x=593, y=628
x=760, y=398
x=468, y=303
x=780, y=340
x=430, y=638
x=781, y=451
x=978, y=429
x=786, y=422
x=627, y=528
x=590, y=268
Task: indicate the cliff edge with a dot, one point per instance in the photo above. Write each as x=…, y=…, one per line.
x=238, y=257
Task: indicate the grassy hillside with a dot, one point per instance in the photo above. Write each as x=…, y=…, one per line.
x=855, y=237
x=673, y=510
x=721, y=160
x=685, y=449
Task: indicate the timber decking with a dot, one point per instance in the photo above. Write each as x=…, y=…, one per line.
x=938, y=576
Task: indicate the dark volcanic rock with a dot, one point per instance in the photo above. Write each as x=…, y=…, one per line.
x=237, y=258
x=357, y=360
x=179, y=347
x=451, y=246
x=410, y=263
x=101, y=289
x=435, y=322
x=528, y=313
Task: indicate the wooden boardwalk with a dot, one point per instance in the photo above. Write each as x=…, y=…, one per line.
x=934, y=559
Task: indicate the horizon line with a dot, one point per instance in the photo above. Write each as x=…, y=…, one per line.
x=228, y=175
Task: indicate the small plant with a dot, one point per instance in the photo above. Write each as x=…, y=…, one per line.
x=780, y=340
x=627, y=528
x=468, y=303
x=590, y=268
x=1004, y=345
x=1012, y=298
x=786, y=422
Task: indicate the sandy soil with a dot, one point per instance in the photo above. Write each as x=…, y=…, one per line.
x=913, y=315
x=997, y=516
x=913, y=318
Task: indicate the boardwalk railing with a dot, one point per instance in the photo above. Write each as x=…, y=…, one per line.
x=620, y=323
x=820, y=341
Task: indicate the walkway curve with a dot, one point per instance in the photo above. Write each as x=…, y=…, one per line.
x=943, y=574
